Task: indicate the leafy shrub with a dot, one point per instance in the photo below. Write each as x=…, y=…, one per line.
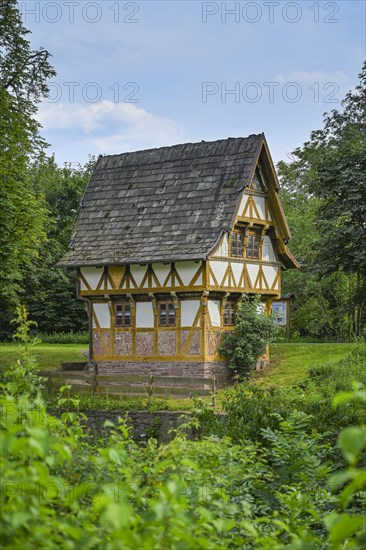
x=104, y=402
x=249, y=409
x=63, y=337
x=59, y=490
x=247, y=343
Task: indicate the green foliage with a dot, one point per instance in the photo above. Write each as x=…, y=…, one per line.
x=23, y=83
x=347, y=530
x=103, y=402
x=247, y=343
x=324, y=196
x=63, y=337
x=51, y=295
x=24, y=379
x=60, y=489
x=49, y=292
x=249, y=408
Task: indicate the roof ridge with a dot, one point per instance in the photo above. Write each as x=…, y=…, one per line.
x=181, y=145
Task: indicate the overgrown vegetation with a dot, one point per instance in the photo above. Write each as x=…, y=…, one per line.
x=324, y=197
x=254, y=330
x=63, y=337
x=104, y=402
x=250, y=408
x=59, y=490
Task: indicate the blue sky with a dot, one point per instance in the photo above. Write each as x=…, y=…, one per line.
x=134, y=75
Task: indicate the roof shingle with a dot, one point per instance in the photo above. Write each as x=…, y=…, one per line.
x=165, y=204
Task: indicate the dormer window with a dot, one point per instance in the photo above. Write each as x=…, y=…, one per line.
x=252, y=248
x=237, y=244
x=256, y=185
x=258, y=181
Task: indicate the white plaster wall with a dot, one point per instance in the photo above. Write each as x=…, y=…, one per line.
x=161, y=271
x=252, y=272
x=102, y=314
x=223, y=249
x=270, y=274
x=268, y=254
x=261, y=308
x=219, y=269
x=237, y=270
x=144, y=315
x=243, y=204
x=92, y=275
x=214, y=311
x=189, y=310
x=260, y=204
x=138, y=273
x=187, y=271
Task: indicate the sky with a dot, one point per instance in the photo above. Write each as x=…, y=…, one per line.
x=136, y=75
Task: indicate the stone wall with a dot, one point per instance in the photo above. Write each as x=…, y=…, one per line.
x=216, y=369
x=144, y=424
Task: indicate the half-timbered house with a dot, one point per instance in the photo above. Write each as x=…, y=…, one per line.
x=166, y=242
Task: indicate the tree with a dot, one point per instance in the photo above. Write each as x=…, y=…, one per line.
x=23, y=83
x=247, y=343
x=50, y=293
x=329, y=171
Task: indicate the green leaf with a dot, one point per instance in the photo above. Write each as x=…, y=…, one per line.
x=352, y=441
x=342, y=526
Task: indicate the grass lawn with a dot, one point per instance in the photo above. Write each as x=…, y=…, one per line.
x=290, y=362
x=49, y=356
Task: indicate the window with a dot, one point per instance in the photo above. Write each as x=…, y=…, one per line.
x=123, y=315
x=166, y=314
x=237, y=244
x=258, y=181
x=229, y=313
x=253, y=245
x=256, y=185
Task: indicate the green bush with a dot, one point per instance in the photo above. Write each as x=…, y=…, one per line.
x=249, y=409
x=247, y=343
x=63, y=337
x=60, y=490
x=104, y=402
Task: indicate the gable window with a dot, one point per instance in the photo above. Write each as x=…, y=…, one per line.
x=258, y=181
x=122, y=315
x=252, y=249
x=256, y=185
x=166, y=314
x=237, y=244
x=229, y=313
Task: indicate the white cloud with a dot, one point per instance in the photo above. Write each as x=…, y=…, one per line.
x=106, y=127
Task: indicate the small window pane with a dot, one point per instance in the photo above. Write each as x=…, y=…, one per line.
x=237, y=244
x=123, y=315
x=166, y=314
x=229, y=313
x=119, y=315
x=163, y=314
x=253, y=245
x=171, y=314
x=127, y=315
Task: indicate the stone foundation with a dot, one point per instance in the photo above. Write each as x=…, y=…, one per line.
x=192, y=369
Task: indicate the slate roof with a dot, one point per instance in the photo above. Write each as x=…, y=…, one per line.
x=165, y=204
